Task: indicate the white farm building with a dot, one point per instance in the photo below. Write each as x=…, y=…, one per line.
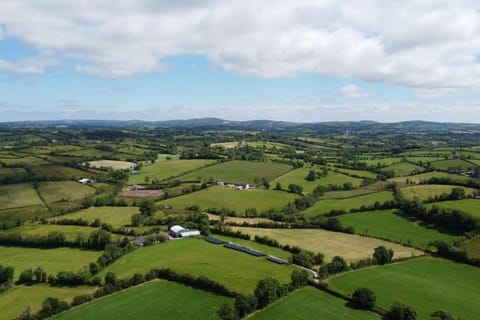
x=180, y=232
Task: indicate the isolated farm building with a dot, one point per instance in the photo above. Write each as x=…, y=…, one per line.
x=85, y=180
x=243, y=186
x=220, y=183
x=180, y=232
x=134, y=172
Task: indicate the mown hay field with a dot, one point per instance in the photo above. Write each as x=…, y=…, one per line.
x=426, y=284
x=112, y=164
x=350, y=247
x=237, y=271
x=430, y=191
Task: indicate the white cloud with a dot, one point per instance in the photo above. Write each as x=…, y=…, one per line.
x=422, y=44
x=35, y=65
x=354, y=92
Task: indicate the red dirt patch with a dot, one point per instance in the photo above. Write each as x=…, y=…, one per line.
x=143, y=193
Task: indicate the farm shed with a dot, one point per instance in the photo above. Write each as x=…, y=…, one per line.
x=85, y=181
x=177, y=231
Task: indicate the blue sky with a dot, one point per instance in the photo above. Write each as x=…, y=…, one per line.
x=137, y=60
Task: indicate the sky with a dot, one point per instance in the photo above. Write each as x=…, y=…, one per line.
x=303, y=61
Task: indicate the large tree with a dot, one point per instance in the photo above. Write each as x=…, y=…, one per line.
x=383, y=255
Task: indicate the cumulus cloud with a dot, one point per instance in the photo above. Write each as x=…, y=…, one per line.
x=353, y=91
x=35, y=65
x=422, y=44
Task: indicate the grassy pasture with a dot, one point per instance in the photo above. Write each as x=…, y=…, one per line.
x=237, y=271
x=382, y=162
x=454, y=163
x=426, y=191
x=350, y=247
x=25, y=161
x=325, y=205
x=238, y=200
x=427, y=284
x=98, y=154
x=239, y=171
x=51, y=260
x=403, y=168
x=71, y=232
x=298, y=177
x=116, y=216
x=428, y=175
x=113, y=164
x=152, y=300
x=163, y=169
x=16, y=300
x=423, y=160
x=470, y=206
x=18, y=195
x=310, y=303
x=359, y=173
x=371, y=188
x=12, y=173
x=24, y=213
x=60, y=171
x=63, y=190
x=387, y=224
x=472, y=247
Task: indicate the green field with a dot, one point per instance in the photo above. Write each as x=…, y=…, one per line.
x=382, y=162
x=237, y=200
x=426, y=284
x=326, y=205
x=24, y=213
x=371, y=188
x=459, y=164
x=71, y=232
x=428, y=175
x=277, y=252
x=25, y=161
x=51, y=260
x=309, y=303
x=472, y=247
x=359, y=173
x=349, y=246
x=298, y=177
x=239, y=171
x=427, y=191
x=18, y=299
x=423, y=160
x=163, y=169
x=116, y=216
x=153, y=300
x=18, y=195
x=387, y=224
x=63, y=191
x=112, y=164
x=470, y=206
x=237, y=271
x=12, y=173
x=403, y=169
x=60, y=171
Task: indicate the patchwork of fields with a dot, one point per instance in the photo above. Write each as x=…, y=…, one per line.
x=425, y=192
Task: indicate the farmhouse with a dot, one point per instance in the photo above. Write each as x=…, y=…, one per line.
x=85, y=181
x=180, y=232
